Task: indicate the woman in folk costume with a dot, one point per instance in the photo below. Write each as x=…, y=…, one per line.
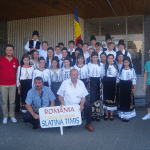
x=35, y=59
x=33, y=44
x=82, y=69
x=50, y=55
x=127, y=80
x=56, y=78
x=119, y=59
x=95, y=86
x=43, y=73
x=109, y=87
x=24, y=79
x=66, y=69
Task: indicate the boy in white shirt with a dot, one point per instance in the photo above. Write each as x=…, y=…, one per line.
x=43, y=51
x=98, y=49
x=58, y=52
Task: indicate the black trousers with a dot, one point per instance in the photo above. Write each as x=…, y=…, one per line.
x=29, y=118
x=87, y=112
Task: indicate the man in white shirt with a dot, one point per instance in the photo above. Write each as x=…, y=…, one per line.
x=73, y=91
x=110, y=49
x=43, y=51
x=33, y=44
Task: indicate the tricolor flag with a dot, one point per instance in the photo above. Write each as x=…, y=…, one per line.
x=77, y=28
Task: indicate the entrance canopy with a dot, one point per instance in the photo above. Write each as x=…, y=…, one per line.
x=86, y=9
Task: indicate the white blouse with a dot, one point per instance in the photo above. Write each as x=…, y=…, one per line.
x=83, y=71
x=112, y=71
x=95, y=70
x=56, y=76
x=44, y=74
x=34, y=64
x=128, y=74
x=66, y=73
x=26, y=73
x=119, y=67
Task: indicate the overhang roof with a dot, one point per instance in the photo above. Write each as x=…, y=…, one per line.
x=86, y=9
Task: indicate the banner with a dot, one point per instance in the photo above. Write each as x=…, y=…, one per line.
x=51, y=117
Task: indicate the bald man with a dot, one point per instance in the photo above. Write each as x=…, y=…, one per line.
x=73, y=91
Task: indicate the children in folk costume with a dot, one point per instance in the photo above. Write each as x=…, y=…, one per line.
x=56, y=78
x=33, y=44
x=82, y=69
x=95, y=86
x=127, y=80
x=91, y=50
x=98, y=49
x=24, y=79
x=121, y=48
x=35, y=59
x=103, y=58
x=119, y=59
x=43, y=73
x=85, y=52
x=71, y=50
x=58, y=52
x=109, y=87
x=66, y=69
x=77, y=51
x=61, y=45
x=110, y=50
x=93, y=41
x=50, y=55
x=64, y=55
x=108, y=39
x=80, y=43
x=43, y=51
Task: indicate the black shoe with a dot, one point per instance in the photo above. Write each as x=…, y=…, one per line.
x=35, y=127
x=106, y=117
x=93, y=118
x=97, y=118
x=111, y=118
x=125, y=120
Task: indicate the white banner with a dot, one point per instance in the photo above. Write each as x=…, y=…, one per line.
x=60, y=116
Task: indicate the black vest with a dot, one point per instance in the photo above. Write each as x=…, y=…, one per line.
x=37, y=44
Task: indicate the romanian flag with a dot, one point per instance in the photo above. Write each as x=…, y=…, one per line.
x=77, y=28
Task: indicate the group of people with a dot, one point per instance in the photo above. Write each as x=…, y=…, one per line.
x=90, y=76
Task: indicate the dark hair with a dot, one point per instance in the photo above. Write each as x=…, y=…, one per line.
x=25, y=56
x=10, y=45
x=57, y=47
x=45, y=42
x=98, y=44
x=69, y=59
x=56, y=59
x=110, y=43
x=103, y=53
x=41, y=58
x=60, y=43
x=38, y=78
x=71, y=41
x=91, y=48
x=117, y=54
x=80, y=55
x=80, y=42
x=47, y=59
x=94, y=54
x=64, y=48
x=35, y=33
x=85, y=44
x=34, y=52
x=114, y=64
